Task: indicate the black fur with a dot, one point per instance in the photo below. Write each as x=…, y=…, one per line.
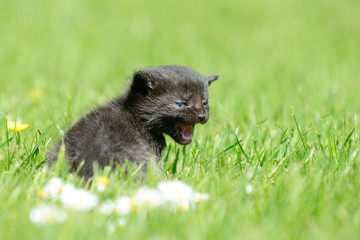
x=165, y=99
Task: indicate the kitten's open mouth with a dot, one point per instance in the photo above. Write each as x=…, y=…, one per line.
x=186, y=133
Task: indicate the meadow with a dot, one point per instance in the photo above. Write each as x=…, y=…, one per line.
x=279, y=156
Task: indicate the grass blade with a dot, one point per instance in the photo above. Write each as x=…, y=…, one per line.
x=5, y=143
x=42, y=137
x=301, y=136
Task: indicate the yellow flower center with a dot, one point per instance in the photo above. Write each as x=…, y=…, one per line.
x=41, y=193
x=50, y=218
x=182, y=207
x=133, y=204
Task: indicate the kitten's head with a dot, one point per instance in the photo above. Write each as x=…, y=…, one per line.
x=171, y=100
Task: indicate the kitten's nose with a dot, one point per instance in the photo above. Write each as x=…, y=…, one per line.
x=202, y=117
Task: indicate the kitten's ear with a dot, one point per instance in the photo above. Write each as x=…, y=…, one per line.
x=211, y=78
x=142, y=83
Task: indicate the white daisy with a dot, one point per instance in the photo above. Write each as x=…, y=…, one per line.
x=78, y=199
x=120, y=223
x=177, y=193
x=121, y=206
x=147, y=197
x=52, y=189
x=111, y=227
x=44, y=214
x=108, y=207
x=248, y=189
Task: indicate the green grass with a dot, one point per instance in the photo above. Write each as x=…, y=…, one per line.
x=284, y=113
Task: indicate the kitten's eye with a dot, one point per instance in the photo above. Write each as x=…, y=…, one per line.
x=205, y=104
x=181, y=104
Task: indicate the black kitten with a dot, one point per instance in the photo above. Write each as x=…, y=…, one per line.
x=165, y=99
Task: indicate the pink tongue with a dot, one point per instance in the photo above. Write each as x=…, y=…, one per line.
x=187, y=131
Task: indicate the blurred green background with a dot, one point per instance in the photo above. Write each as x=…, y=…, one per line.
x=271, y=55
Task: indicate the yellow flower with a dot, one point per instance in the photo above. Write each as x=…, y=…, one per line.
x=102, y=180
x=17, y=127
x=36, y=95
x=101, y=183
